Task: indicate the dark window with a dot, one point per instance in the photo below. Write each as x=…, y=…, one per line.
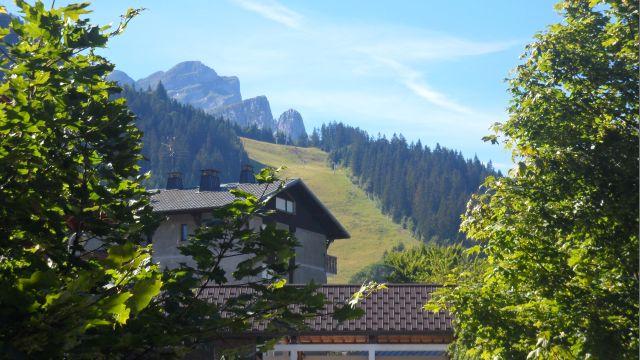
x=184, y=232
x=288, y=206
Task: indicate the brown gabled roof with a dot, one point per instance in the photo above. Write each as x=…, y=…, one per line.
x=176, y=200
x=186, y=200
x=395, y=310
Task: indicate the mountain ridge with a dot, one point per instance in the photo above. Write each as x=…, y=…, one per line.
x=196, y=84
x=121, y=78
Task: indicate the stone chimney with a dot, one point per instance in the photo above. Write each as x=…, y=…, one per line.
x=174, y=181
x=209, y=180
x=246, y=175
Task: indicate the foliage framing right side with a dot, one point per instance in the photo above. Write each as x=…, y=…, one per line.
x=560, y=233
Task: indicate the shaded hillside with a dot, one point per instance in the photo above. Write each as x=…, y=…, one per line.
x=425, y=189
x=372, y=233
x=181, y=138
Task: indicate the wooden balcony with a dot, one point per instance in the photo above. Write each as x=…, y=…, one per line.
x=330, y=264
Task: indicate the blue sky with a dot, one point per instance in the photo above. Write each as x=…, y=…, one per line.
x=431, y=70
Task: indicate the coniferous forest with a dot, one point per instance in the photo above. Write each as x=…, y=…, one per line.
x=424, y=189
x=178, y=137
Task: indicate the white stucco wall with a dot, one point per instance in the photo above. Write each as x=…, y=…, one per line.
x=310, y=257
x=167, y=238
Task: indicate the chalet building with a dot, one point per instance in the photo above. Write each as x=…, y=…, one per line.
x=394, y=327
x=295, y=207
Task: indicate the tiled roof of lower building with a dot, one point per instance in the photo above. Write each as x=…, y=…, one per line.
x=395, y=310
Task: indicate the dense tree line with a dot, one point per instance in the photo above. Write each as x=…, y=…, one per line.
x=424, y=189
x=178, y=137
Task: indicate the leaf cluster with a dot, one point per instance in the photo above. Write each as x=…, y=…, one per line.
x=560, y=233
x=73, y=216
x=428, y=263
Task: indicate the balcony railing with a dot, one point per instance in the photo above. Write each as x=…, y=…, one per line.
x=331, y=264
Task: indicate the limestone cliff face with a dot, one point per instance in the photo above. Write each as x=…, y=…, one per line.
x=194, y=83
x=291, y=124
x=253, y=111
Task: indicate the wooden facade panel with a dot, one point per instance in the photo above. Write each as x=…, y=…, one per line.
x=414, y=339
x=333, y=339
x=371, y=339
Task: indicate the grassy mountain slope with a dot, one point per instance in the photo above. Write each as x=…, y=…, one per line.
x=371, y=232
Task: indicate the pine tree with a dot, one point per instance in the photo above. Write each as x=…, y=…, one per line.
x=197, y=140
x=315, y=138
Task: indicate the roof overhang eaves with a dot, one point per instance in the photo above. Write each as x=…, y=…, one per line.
x=185, y=211
x=340, y=332
x=343, y=233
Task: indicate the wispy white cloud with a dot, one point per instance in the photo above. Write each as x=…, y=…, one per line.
x=389, y=110
x=375, y=76
x=395, y=52
x=414, y=81
x=436, y=98
x=272, y=10
x=431, y=46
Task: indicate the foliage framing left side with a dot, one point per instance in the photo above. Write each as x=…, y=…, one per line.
x=69, y=176
x=75, y=272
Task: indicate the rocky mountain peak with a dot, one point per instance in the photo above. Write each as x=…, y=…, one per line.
x=194, y=83
x=192, y=66
x=253, y=111
x=290, y=122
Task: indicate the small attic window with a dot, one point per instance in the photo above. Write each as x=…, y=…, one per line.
x=285, y=205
